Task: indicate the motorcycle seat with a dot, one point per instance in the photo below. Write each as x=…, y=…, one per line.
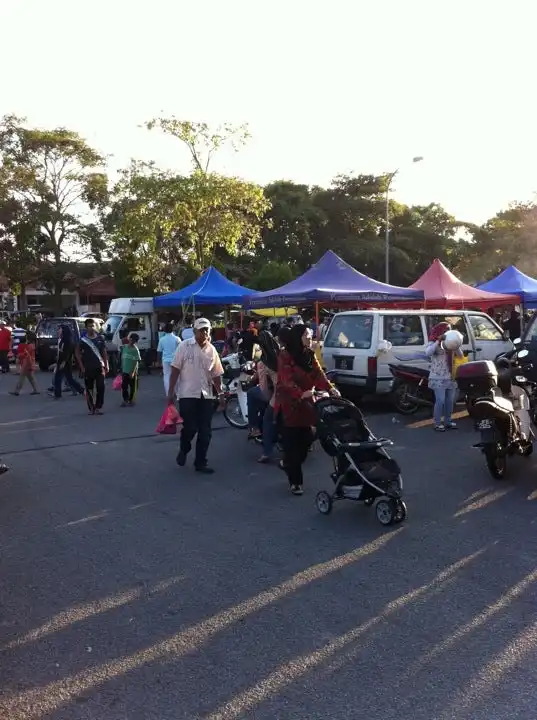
x=497, y=402
x=413, y=369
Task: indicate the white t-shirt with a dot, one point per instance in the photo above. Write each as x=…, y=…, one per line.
x=167, y=345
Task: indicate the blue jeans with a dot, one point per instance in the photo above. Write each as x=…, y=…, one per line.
x=256, y=407
x=444, y=402
x=270, y=433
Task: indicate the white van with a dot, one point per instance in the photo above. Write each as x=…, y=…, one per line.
x=351, y=345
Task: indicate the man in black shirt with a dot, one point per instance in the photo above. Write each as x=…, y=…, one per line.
x=93, y=363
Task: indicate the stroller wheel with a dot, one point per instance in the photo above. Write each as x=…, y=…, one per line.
x=386, y=511
x=323, y=501
x=401, y=512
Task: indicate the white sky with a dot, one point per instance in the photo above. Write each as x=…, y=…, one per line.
x=326, y=87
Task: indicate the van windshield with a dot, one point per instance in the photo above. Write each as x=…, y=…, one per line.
x=48, y=328
x=350, y=331
x=111, y=324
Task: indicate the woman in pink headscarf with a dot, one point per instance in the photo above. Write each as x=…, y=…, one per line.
x=441, y=377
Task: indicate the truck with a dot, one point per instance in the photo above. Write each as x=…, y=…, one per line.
x=126, y=316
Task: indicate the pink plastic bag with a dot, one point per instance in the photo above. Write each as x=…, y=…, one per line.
x=169, y=421
x=116, y=384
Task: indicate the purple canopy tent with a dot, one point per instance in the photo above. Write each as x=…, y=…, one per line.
x=331, y=279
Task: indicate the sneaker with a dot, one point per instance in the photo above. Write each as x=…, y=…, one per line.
x=124, y=404
x=35, y=392
x=181, y=458
x=204, y=469
x=297, y=489
x=451, y=426
x=439, y=428
x=15, y=393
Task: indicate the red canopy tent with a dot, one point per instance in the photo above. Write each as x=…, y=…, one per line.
x=443, y=290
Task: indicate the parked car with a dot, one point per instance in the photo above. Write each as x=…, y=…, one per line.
x=47, y=337
x=353, y=344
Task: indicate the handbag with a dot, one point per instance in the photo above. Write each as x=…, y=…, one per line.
x=169, y=421
x=457, y=362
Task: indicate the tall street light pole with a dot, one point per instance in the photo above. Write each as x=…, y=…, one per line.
x=390, y=177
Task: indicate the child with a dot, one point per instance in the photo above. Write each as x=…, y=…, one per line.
x=26, y=356
x=130, y=361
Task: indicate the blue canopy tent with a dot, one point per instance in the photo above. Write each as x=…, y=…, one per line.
x=211, y=288
x=514, y=282
x=331, y=279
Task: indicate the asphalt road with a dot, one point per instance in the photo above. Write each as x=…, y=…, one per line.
x=131, y=589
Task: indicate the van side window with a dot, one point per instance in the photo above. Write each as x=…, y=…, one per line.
x=404, y=330
x=484, y=328
x=136, y=324
x=456, y=321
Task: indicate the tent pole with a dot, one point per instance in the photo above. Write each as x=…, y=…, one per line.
x=317, y=314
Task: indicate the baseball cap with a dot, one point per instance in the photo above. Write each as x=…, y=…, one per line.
x=202, y=323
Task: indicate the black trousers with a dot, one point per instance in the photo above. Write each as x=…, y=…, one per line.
x=197, y=414
x=65, y=370
x=94, y=382
x=296, y=444
x=4, y=360
x=129, y=385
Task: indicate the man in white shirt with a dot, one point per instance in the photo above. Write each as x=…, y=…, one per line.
x=167, y=346
x=188, y=331
x=196, y=368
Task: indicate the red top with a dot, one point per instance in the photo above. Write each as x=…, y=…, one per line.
x=26, y=354
x=5, y=339
x=293, y=381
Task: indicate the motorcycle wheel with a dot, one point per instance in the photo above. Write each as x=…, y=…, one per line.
x=402, y=403
x=496, y=463
x=233, y=413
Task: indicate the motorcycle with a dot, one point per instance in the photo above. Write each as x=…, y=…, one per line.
x=237, y=381
x=500, y=406
x=411, y=388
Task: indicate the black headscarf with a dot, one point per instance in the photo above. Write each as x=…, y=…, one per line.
x=301, y=355
x=66, y=339
x=269, y=350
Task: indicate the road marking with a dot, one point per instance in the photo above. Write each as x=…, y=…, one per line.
x=430, y=421
x=29, y=420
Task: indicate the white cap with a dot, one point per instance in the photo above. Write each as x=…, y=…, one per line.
x=202, y=323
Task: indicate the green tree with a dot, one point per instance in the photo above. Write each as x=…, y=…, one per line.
x=420, y=234
x=202, y=141
x=509, y=238
x=57, y=179
x=162, y=223
x=19, y=245
x=353, y=208
x=272, y=274
x=293, y=220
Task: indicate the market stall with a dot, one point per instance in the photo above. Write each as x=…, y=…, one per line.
x=514, y=282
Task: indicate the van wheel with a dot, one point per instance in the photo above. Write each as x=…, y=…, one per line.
x=403, y=403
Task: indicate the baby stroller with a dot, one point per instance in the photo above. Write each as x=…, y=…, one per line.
x=363, y=470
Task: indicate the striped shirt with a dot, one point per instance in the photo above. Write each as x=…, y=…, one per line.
x=17, y=336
